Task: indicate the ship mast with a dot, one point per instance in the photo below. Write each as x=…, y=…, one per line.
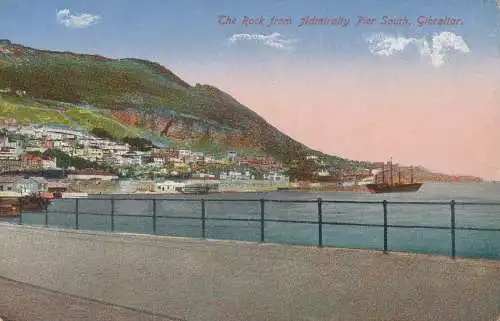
x=392, y=181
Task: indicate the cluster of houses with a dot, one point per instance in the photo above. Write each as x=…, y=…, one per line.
x=26, y=185
x=22, y=149
x=20, y=155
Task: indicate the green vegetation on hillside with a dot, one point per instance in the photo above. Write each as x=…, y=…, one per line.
x=213, y=148
x=28, y=111
x=90, y=119
x=138, y=84
x=27, y=115
x=138, y=144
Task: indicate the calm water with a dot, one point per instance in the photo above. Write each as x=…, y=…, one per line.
x=95, y=215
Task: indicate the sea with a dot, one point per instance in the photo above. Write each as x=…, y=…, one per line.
x=229, y=216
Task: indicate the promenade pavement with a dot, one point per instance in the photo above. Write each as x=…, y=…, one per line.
x=208, y=280
x=23, y=302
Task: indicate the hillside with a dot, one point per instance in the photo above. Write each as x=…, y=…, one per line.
x=424, y=175
x=133, y=96
x=139, y=98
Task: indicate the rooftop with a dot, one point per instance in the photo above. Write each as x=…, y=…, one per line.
x=91, y=171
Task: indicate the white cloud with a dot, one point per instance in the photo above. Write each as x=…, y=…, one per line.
x=441, y=47
x=84, y=20
x=274, y=40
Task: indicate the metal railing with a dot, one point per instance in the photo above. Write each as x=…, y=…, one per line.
x=320, y=222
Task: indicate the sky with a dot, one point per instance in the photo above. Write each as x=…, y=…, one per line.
x=422, y=93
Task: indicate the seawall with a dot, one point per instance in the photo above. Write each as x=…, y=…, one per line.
x=209, y=280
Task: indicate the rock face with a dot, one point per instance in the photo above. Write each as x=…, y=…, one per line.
x=143, y=94
x=184, y=128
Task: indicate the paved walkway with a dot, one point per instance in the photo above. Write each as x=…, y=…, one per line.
x=23, y=302
x=225, y=280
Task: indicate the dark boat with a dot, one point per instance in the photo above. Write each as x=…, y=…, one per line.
x=14, y=205
x=35, y=202
x=390, y=186
x=9, y=204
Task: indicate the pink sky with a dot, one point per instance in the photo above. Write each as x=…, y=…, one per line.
x=441, y=118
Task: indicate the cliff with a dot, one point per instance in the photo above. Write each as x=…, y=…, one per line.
x=137, y=94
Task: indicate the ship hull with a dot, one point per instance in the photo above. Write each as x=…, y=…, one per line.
x=400, y=188
x=9, y=206
x=201, y=188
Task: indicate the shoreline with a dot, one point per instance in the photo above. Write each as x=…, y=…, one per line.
x=305, y=187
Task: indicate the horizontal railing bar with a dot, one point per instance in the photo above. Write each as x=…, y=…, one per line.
x=290, y=221
x=418, y=203
x=351, y=202
x=177, y=217
x=230, y=200
x=133, y=215
x=478, y=203
x=311, y=222
x=289, y=201
x=132, y=199
x=352, y=224
x=285, y=201
x=80, y=214
x=282, y=221
x=388, y=225
x=483, y=229
x=232, y=219
x=420, y=226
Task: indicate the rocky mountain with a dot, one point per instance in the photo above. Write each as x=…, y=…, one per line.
x=134, y=95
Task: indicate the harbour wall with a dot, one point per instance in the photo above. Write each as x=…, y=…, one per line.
x=129, y=187
x=207, y=280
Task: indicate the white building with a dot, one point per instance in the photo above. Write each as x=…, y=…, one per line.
x=367, y=180
x=276, y=177
x=90, y=174
x=231, y=156
x=89, y=153
x=60, y=133
x=169, y=187
x=127, y=161
x=323, y=173
x=209, y=159
x=49, y=163
x=115, y=148
x=158, y=161
x=9, y=153
x=236, y=176
x=24, y=186
x=184, y=153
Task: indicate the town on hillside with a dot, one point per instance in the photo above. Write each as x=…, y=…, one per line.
x=62, y=159
x=38, y=158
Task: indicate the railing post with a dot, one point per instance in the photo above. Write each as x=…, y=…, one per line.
x=203, y=219
x=384, y=204
x=46, y=217
x=453, y=249
x=320, y=223
x=262, y=236
x=154, y=216
x=77, y=209
x=112, y=215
